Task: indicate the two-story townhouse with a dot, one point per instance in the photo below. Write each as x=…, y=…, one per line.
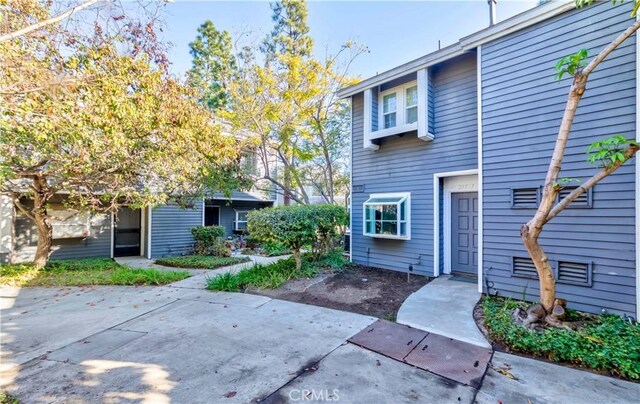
x=449, y=152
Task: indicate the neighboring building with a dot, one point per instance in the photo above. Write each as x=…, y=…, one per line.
x=152, y=232
x=449, y=152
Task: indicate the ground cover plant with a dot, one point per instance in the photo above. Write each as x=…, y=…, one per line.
x=81, y=272
x=275, y=274
x=200, y=261
x=605, y=343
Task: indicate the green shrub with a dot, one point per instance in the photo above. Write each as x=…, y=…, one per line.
x=607, y=343
x=207, y=234
x=297, y=226
x=209, y=241
x=292, y=226
x=329, y=220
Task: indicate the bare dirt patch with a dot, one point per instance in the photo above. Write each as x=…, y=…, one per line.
x=359, y=289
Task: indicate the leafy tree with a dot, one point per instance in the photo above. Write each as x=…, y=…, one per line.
x=611, y=153
x=289, y=103
x=213, y=64
x=94, y=114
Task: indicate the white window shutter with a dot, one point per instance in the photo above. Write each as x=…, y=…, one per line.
x=424, y=132
x=368, y=105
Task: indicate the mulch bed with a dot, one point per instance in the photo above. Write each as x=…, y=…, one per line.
x=359, y=289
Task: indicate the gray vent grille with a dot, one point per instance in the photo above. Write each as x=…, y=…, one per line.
x=574, y=273
x=583, y=201
x=525, y=197
x=523, y=267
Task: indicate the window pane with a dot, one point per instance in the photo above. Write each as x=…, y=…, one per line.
x=390, y=228
x=242, y=216
x=241, y=225
x=403, y=229
x=390, y=120
x=390, y=212
x=403, y=211
x=384, y=199
x=389, y=103
x=412, y=96
x=412, y=114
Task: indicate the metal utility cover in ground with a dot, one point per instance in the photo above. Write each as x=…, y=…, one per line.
x=390, y=339
x=457, y=360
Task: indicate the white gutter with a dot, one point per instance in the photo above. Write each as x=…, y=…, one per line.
x=506, y=27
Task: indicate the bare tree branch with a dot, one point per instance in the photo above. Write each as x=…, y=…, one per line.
x=50, y=21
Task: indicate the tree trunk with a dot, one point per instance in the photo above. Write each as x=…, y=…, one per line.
x=298, y=258
x=45, y=240
x=545, y=272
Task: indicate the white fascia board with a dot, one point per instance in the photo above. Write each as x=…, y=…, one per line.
x=506, y=27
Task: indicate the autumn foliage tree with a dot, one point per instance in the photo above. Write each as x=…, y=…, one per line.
x=610, y=153
x=91, y=112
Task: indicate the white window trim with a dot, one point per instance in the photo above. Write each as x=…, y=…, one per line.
x=401, y=111
x=235, y=224
x=422, y=124
x=406, y=195
x=449, y=190
x=436, y=215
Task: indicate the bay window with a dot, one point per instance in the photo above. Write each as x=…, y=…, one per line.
x=388, y=216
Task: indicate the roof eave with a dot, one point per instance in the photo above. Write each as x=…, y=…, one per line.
x=470, y=42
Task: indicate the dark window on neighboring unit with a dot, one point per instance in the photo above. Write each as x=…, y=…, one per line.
x=574, y=273
x=525, y=197
x=523, y=267
x=585, y=200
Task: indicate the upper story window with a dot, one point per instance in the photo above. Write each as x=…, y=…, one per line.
x=399, y=107
x=390, y=111
x=411, y=104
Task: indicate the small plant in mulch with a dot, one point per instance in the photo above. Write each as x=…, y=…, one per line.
x=605, y=343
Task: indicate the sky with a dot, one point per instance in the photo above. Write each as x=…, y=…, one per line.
x=395, y=32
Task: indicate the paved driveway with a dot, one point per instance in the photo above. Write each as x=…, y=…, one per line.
x=183, y=345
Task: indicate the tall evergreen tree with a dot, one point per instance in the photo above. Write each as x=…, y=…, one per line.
x=290, y=34
x=213, y=65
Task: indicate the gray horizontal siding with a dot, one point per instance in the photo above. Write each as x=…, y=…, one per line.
x=98, y=244
x=171, y=229
x=522, y=110
x=407, y=164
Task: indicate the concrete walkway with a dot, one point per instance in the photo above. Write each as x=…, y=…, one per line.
x=183, y=345
x=199, y=277
x=444, y=307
